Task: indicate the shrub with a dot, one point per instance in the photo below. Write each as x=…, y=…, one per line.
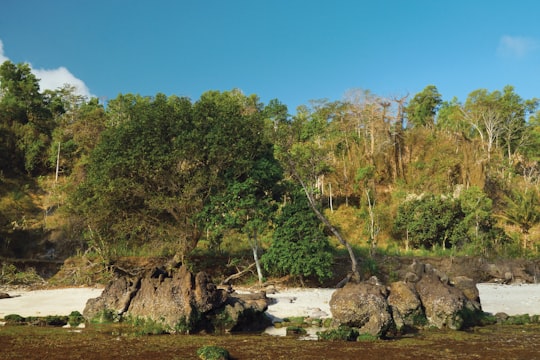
x=75, y=318
x=343, y=333
x=209, y=352
x=295, y=330
x=14, y=319
x=55, y=320
x=299, y=245
x=518, y=320
x=10, y=275
x=105, y=316
x=145, y=326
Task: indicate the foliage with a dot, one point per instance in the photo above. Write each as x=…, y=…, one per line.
x=211, y=352
x=299, y=246
x=26, y=120
x=106, y=316
x=430, y=221
x=295, y=330
x=423, y=107
x=10, y=275
x=157, y=174
x=341, y=333
x=75, y=318
x=164, y=161
x=145, y=326
x=14, y=319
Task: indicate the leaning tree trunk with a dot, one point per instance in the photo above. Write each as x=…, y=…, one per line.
x=332, y=228
x=255, y=248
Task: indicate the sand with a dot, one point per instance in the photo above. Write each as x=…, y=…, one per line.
x=511, y=299
x=47, y=302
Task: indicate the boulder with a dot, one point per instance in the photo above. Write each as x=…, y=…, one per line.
x=179, y=300
x=443, y=304
x=469, y=289
x=406, y=306
x=363, y=306
x=425, y=297
x=243, y=313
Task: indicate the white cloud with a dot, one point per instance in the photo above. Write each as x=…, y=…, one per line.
x=2, y=57
x=517, y=46
x=56, y=78
x=52, y=79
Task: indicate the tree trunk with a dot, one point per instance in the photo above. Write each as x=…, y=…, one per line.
x=330, y=197
x=372, y=226
x=255, y=248
x=326, y=222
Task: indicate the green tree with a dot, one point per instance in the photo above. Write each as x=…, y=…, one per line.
x=299, y=245
x=430, y=221
x=155, y=174
x=299, y=150
x=523, y=210
x=423, y=107
x=248, y=205
x=25, y=121
x=139, y=186
x=78, y=129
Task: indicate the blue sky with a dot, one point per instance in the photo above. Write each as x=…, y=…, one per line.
x=295, y=51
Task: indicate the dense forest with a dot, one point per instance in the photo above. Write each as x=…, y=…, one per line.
x=227, y=174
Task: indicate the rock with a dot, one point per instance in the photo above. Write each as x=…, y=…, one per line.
x=116, y=298
x=243, y=312
x=501, y=317
x=177, y=299
x=443, y=304
x=469, y=289
x=411, y=277
x=4, y=295
x=406, y=306
x=425, y=297
x=363, y=306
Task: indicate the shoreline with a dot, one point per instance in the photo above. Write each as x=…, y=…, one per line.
x=306, y=302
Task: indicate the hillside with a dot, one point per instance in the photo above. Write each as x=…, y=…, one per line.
x=228, y=176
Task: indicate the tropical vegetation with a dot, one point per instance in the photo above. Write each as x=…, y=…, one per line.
x=168, y=175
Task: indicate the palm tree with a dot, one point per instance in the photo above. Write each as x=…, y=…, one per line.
x=523, y=210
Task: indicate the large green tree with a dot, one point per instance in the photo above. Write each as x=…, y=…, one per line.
x=299, y=244
x=165, y=166
x=430, y=221
x=26, y=120
x=138, y=189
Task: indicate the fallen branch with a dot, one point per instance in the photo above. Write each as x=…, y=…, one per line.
x=239, y=274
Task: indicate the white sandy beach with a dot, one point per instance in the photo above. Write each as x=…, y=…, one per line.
x=511, y=299
x=47, y=302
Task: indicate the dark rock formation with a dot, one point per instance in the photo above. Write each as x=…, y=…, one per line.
x=4, y=295
x=406, y=306
x=442, y=303
x=180, y=301
x=425, y=297
x=362, y=306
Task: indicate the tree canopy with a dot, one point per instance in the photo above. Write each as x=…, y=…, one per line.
x=172, y=175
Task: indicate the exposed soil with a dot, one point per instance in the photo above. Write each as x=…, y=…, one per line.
x=497, y=341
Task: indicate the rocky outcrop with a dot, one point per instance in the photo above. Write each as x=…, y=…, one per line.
x=407, y=311
x=425, y=297
x=443, y=304
x=363, y=306
x=179, y=300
